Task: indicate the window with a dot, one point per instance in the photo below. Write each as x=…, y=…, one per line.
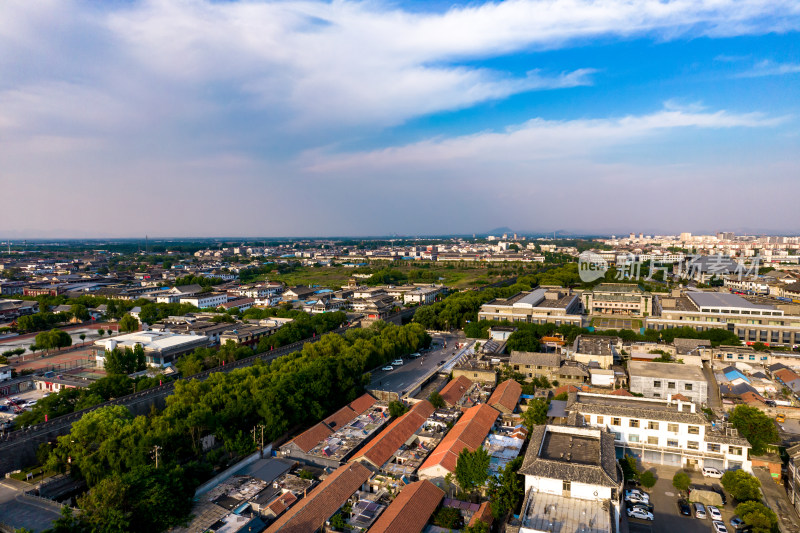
x=670, y=384
x=713, y=447
x=687, y=386
x=692, y=445
x=657, y=384
x=600, y=420
x=652, y=440
x=672, y=428
x=633, y=438
x=587, y=419
x=566, y=486
x=617, y=435
x=652, y=425
x=616, y=421
x=634, y=423
x=734, y=450
x=673, y=443
x=694, y=430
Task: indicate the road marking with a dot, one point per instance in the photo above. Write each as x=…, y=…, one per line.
x=670, y=494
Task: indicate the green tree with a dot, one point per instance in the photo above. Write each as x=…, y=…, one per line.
x=629, y=468
x=397, y=409
x=80, y=312
x=758, y=516
x=506, y=490
x=448, y=518
x=681, y=481
x=101, y=331
x=478, y=527
x=124, y=360
x=436, y=400
x=755, y=426
x=472, y=469
x=647, y=479
x=128, y=324
x=741, y=485
x=535, y=414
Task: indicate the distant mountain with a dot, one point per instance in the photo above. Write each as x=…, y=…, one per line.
x=500, y=231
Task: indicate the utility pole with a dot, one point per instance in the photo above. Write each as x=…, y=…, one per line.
x=255, y=439
x=156, y=453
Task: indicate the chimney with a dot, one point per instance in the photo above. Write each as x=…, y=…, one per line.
x=691, y=407
x=669, y=399
x=680, y=405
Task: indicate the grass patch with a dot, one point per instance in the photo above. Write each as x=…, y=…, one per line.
x=37, y=474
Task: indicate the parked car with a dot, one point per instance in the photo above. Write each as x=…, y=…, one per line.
x=719, y=526
x=736, y=522
x=636, y=496
x=714, y=513
x=699, y=510
x=640, y=505
x=640, y=514
x=415, y=355
x=388, y=368
x=709, y=471
x=684, y=508
x=397, y=362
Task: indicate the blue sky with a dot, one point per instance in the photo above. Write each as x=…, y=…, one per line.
x=196, y=118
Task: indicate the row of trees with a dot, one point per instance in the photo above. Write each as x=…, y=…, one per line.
x=111, y=449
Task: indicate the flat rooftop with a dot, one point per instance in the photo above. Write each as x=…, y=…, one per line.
x=707, y=300
x=569, y=448
x=549, y=512
x=675, y=371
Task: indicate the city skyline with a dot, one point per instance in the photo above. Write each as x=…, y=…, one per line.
x=297, y=118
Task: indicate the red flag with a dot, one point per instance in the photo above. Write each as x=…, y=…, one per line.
x=159, y=382
x=45, y=418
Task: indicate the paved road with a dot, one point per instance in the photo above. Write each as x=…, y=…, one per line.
x=20, y=511
x=402, y=378
x=777, y=500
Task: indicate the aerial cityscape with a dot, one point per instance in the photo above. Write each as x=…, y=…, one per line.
x=373, y=266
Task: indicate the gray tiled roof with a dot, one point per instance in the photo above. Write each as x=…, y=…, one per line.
x=535, y=359
x=619, y=406
x=604, y=472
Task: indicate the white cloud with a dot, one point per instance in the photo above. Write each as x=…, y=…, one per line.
x=770, y=68
x=538, y=140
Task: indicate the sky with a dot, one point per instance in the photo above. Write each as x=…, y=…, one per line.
x=201, y=118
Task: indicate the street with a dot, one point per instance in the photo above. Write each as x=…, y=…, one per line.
x=403, y=377
x=19, y=510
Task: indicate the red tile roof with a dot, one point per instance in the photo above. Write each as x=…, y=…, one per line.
x=311, y=437
x=312, y=511
x=361, y=404
x=565, y=388
x=505, y=396
x=282, y=503
x=453, y=391
x=681, y=397
x=382, y=447
x=410, y=511
x=469, y=432
x=786, y=375
x=340, y=418
x=484, y=514
x=751, y=397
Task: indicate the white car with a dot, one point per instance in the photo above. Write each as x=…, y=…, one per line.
x=709, y=471
x=640, y=514
x=388, y=368
x=713, y=512
x=719, y=527
x=397, y=362
x=636, y=496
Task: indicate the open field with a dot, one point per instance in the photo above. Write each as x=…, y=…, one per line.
x=616, y=323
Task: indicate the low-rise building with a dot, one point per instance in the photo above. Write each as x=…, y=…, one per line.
x=160, y=347
x=454, y=391
x=468, y=433
x=596, y=350
x=659, y=380
x=571, y=479
x=665, y=432
x=541, y=306
x=207, y=300
x=410, y=510
x=618, y=299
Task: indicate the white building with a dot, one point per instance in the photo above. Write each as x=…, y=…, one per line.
x=659, y=380
x=206, y=300
x=572, y=480
x=160, y=347
x=666, y=432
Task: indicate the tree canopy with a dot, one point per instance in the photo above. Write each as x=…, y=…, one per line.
x=741, y=485
x=755, y=426
x=472, y=469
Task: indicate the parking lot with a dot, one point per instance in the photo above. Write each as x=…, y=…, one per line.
x=27, y=396
x=666, y=517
